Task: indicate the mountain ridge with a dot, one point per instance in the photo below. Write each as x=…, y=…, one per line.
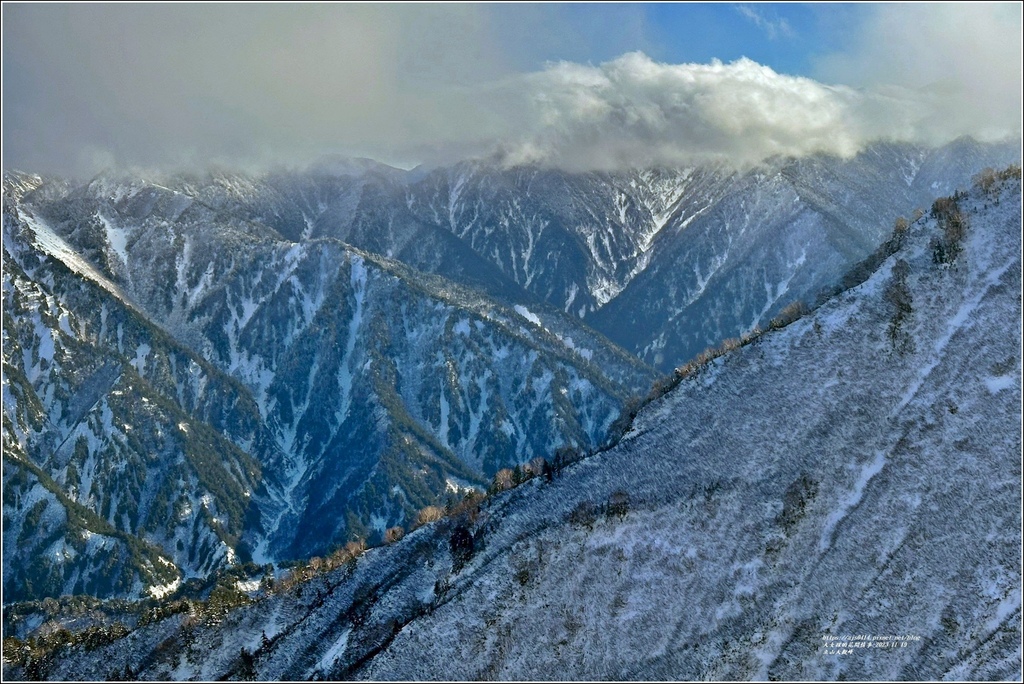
x=442, y=345
x=204, y=329
x=885, y=505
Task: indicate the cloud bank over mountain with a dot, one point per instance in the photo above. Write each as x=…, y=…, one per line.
x=634, y=111
x=169, y=86
x=960, y=63
x=924, y=74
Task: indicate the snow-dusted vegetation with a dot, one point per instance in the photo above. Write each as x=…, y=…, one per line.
x=224, y=394
x=835, y=498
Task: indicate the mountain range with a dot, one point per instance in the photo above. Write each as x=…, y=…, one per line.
x=202, y=370
x=837, y=497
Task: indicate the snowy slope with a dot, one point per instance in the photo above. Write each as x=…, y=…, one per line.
x=854, y=473
x=664, y=262
x=359, y=389
x=391, y=335
x=120, y=468
x=781, y=232
x=573, y=240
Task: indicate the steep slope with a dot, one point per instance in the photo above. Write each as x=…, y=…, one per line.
x=855, y=474
x=574, y=240
x=360, y=389
x=362, y=204
x=368, y=388
x=780, y=233
x=121, y=470
x=664, y=262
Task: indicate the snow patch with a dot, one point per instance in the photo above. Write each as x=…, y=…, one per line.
x=457, y=487
x=162, y=590
x=1007, y=607
x=117, y=237
x=53, y=245
x=1000, y=383
x=248, y=586
x=139, y=362
x=334, y=652
x=834, y=518
x=527, y=314
x=443, y=427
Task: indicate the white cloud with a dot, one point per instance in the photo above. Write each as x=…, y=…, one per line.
x=960, y=62
x=633, y=111
x=164, y=86
x=925, y=74
x=773, y=28
x=919, y=73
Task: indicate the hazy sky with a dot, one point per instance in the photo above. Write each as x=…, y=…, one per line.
x=87, y=86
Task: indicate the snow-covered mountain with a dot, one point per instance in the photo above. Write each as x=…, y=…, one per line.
x=665, y=262
x=121, y=465
x=779, y=233
x=208, y=390
x=836, y=499
x=354, y=341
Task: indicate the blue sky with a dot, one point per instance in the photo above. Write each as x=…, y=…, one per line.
x=783, y=36
x=88, y=86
